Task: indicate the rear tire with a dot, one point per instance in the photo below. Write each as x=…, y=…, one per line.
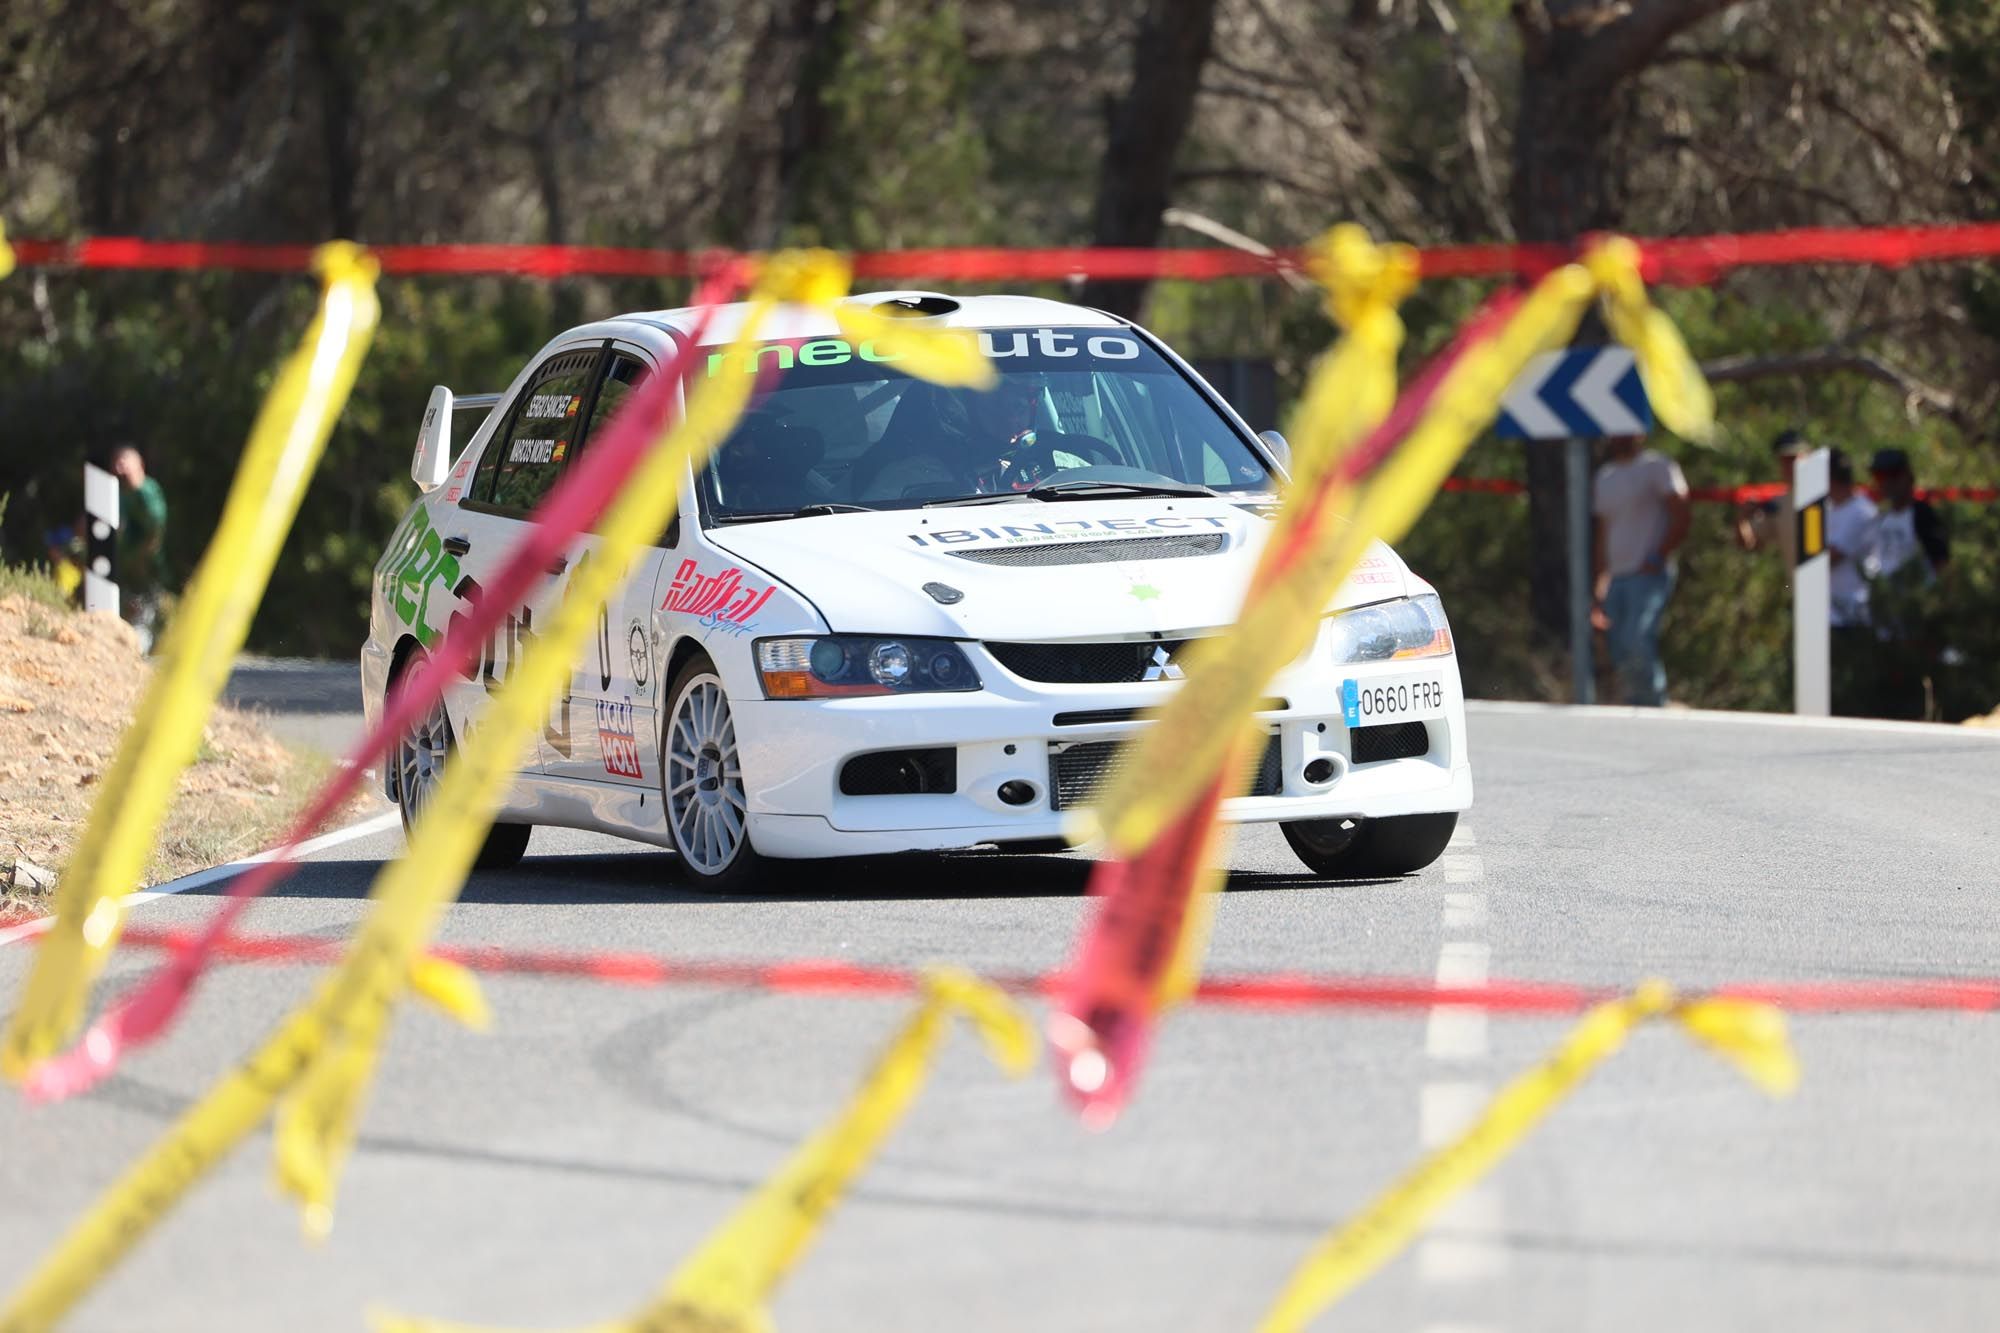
x=1376, y=849
x=420, y=759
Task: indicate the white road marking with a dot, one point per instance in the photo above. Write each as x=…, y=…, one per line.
x=1452, y=1259
x=388, y=819
x=1469, y=1250
x=1464, y=911
x=1462, y=869
x=1448, y=1109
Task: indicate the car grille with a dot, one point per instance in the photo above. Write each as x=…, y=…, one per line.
x=900, y=772
x=1398, y=740
x=1076, y=773
x=1043, y=554
x=1085, y=663
x=1097, y=717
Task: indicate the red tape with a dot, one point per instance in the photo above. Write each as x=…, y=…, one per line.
x=1281, y=990
x=1754, y=492
x=577, y=501
x=1668, y=261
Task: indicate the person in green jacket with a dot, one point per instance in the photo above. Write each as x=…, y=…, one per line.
x=142, y=535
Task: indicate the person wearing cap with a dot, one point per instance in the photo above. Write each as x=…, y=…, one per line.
x=1905, y=551
x=1640, y=500
x=1905, y=526
x=1850, y=514
x=1762, y=524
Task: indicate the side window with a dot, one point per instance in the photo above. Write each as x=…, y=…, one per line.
x=524, y=459
x=619, y=381
x=620, y=378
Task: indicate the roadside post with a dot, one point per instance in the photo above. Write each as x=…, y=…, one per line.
x=1577, y=395
x=1812, y=577
x=100, y=563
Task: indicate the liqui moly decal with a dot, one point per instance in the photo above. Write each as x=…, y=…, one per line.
x=714, y=597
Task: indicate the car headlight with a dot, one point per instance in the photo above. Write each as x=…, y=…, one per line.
x=1406, y=627
x=832, y=666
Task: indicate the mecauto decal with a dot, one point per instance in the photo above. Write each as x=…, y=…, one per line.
x=407, y=583
x=717, y=598
x=617, y=740
x=998, y=344
x=1071, y=528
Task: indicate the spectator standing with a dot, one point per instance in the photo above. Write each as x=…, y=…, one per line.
x=1906, y=550
x=1763, y=524
x=142, y=534
x=1850, y=515
x=1640, y=500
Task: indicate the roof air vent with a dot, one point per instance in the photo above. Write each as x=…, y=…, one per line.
x=917, y=307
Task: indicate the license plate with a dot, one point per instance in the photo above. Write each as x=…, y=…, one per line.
x=1384, y=699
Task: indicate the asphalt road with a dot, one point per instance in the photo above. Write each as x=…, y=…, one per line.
x=553, y=1172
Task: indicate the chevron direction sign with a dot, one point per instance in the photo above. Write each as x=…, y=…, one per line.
x=1576, y=394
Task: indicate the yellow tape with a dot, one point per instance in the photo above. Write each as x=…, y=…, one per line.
x=344, y=1022
x=205, y=1134
x=726, y=1283
x=1227, y=674
x=1752, y=1036
x=285, y=445
x=1674, y=382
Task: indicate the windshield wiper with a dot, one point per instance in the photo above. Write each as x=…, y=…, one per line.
x=803, y=511
x=1077, y=490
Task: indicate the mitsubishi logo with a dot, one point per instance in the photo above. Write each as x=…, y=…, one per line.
x=1161, y=667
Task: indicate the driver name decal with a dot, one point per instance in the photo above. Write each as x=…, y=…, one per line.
x=717, y=598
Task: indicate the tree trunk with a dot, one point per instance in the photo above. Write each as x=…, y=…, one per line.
x=1147, y=126
x=340, y=128
x=1575, y=54
x=1561, y=190
x=794, y=56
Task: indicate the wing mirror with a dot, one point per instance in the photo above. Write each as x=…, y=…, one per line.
x=1281, y=452
x=433, y=456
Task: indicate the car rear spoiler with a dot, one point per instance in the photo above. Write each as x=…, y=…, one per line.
x=432, y=458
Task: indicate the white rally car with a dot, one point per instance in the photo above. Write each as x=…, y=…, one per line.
x=894, y=617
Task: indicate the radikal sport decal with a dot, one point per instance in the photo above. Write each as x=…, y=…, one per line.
x=720, y=600
x=618, y=740
x=1076, y=527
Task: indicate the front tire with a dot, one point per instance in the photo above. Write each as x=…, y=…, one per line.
x=701, y=780
x=1370, y=848
x=420, y=759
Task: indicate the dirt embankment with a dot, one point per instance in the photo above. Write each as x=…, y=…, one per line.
x=69, y=684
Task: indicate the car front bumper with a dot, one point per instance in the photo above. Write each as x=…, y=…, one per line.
x=793, y=753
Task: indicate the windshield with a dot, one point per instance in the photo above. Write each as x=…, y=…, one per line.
x=845, y=428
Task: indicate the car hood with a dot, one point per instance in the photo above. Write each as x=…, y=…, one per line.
x=1035, y=571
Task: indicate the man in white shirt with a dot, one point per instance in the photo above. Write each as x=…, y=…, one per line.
x=1850, y=518
x=1640, y=500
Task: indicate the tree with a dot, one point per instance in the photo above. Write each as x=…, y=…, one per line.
x=1575, y=57
x=1147, y=126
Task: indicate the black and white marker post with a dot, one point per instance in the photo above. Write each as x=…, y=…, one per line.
x=100, y=565
x=1812, y=658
